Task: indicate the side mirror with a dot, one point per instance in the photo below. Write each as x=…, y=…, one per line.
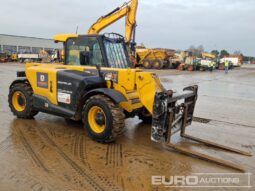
x=84, y=58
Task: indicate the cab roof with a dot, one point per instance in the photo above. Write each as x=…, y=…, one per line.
x=64, y=37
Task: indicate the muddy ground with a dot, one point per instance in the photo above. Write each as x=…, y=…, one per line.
x=50, y=154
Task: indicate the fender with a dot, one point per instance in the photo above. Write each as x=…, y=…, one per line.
x=114, y=95
x=19, y=80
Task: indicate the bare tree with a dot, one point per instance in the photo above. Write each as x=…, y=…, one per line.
x=237, y=53
x=196, y=51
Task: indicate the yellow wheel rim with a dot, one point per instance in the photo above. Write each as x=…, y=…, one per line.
x=97, y=119
x=156, y=64
x=146, y=64
x=19, y=101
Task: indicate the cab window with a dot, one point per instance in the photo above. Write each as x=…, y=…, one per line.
x=78, y=48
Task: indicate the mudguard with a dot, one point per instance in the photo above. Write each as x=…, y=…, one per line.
x=19, y=80
x=114, y=95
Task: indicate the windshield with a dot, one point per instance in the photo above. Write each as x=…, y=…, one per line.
x=75, y=46
x=116, y=55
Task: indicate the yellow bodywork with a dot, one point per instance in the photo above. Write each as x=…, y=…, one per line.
x=208, y=55
x=151, y=54
x=64, y=37
x=132, y=83
x=14, y=57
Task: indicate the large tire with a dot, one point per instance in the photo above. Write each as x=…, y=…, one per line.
x=158, y=64
x=167, y=65
x=21, y=101
x=103, y=120
x=147, y=64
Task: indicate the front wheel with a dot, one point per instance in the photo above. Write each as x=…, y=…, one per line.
x=103, y=120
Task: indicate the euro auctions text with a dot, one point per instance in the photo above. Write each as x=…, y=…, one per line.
x=204, y=180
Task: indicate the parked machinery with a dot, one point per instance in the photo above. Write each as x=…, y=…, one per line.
x=156, y=58
x=3, y=57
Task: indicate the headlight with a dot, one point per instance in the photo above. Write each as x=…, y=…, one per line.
x=108, y=76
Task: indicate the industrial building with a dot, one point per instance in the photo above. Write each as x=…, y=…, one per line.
x=23, y=44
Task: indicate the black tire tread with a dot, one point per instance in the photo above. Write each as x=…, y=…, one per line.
x=157, y=67
x=30, y=112
x=118, y=117
x=149, y=66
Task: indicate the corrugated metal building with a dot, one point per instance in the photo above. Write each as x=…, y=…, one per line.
x=24, y=44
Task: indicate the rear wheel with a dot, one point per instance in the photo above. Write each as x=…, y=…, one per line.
x=147, y=64
x=104, y=120
x=158, y=64
x=167, y=65
x=21, y=101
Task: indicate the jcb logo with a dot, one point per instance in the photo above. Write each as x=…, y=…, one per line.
x=42, y=80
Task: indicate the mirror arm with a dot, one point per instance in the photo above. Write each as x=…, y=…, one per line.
x=99, y=71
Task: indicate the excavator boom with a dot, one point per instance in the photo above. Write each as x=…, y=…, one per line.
x=127, y=10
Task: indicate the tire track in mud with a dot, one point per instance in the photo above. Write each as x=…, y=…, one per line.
x=75, y=146
x=78, y=149
x=82, y=151
x=5, y=144
x=88, y=176
x=23, y=180
x=120, y=180
x=114, y=155
x=52, y=132
x=33, y=181
x=122, y=184
x=149, y=161
x=72, y=144
x=27, y=146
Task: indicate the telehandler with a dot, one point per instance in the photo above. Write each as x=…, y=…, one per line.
x=98, y=85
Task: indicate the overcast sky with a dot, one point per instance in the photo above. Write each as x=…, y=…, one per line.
x=177, y=24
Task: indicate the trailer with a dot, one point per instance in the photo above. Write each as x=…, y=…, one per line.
x=235, y=60
x=26, y=56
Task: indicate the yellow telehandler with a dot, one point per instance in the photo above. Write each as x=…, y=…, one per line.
x=97, y=84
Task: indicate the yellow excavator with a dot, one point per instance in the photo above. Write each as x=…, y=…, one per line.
x=97, y=84
x=140, y=56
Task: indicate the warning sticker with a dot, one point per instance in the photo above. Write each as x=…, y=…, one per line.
x=64, y=98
